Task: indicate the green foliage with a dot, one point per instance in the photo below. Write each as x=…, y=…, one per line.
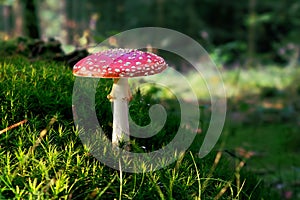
x=222, y=27
x=235, y=30
x=7, y=2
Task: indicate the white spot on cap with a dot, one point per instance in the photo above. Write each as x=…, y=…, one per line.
x=127, y=63
x=138, y=63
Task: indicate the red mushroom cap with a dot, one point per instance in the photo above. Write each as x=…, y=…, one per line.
x=118, y=63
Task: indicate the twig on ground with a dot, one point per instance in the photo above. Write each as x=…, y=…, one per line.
x=13, y=126
x=42, y=135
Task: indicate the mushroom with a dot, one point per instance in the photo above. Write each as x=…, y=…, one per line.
x=120, y=64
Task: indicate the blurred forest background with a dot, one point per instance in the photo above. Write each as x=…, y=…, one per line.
x=246, y=33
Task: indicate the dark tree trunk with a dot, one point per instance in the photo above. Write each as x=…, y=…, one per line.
x=6, y=12
x=251, y=34
x=18, y=18
x=64, y=33
x=160, y=12
x=31, y=19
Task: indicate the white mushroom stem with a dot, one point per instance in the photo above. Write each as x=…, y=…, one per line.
x=120, y=96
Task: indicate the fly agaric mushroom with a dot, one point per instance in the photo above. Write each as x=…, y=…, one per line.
x=120, y=64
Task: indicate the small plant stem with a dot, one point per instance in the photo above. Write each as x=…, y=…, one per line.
x=107, y=187
x=198, y=177
x=121, y=180
x=222, y=191
x=238, y=168
x=160, y=193
x=238, y=177
x=216, y=162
